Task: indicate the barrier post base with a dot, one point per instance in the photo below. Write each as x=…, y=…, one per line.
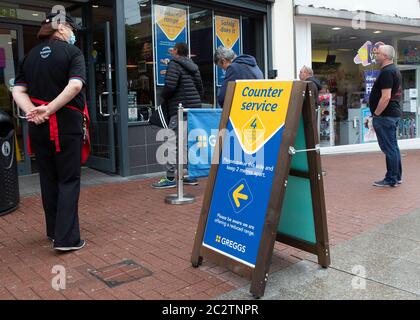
x=175, y=199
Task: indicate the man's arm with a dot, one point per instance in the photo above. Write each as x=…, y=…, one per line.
x=383, y=102
x=230, y=76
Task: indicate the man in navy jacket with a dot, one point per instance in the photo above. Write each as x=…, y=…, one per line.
x=236, y=67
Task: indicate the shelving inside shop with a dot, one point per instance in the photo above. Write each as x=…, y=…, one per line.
x=327, y=117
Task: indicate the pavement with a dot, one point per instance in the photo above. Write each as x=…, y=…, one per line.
x=382, y=264
x=138, y=247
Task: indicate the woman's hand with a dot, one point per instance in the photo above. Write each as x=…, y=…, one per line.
x=38, y=115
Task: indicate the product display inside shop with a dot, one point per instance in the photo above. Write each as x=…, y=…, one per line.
x=326, y=118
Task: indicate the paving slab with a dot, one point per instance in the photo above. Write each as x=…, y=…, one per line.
x=381, y=264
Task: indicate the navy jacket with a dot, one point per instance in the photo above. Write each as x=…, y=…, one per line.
x=243, y=67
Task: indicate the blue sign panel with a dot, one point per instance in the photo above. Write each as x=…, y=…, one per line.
x=203, y=128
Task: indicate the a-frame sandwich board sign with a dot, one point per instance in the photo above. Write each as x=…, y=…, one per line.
x=255, y=193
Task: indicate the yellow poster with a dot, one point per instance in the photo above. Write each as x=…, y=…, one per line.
x=227, y=30
x=172, y=21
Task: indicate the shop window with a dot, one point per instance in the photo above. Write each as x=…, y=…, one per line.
x=140, y=69
x=253, y=38
x=148, y=52
x=409, y=61
x=201, y=49
x=348, y=75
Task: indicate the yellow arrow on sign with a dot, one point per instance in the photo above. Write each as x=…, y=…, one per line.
x=238, y=195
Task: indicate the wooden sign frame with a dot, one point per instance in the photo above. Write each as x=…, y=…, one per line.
x=302, y=104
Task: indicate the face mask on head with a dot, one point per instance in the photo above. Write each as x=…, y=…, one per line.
x=72, y=39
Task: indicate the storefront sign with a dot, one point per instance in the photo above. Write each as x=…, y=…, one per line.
x=366, y=54
x=203, y=129
x=370, y=78
x=170, y=28
x=8, y=12
x=228, y=34
x=243, y=187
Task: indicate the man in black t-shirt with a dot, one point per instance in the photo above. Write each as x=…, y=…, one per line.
x=384, y=103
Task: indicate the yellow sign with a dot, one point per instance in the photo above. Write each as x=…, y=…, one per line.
x=259, y=110
x=172, y=21
x=227, y=30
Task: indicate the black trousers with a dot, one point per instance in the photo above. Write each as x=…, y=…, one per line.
x=60, y=184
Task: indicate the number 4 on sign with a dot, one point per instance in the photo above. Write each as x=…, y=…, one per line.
x=254, y=124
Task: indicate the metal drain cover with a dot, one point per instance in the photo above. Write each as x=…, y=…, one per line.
x=121, y=273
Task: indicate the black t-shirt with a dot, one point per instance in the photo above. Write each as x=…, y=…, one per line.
x=46, y=71
x=389, y=78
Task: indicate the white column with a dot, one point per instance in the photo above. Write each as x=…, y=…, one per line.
x=283, y=39
x=303, y=43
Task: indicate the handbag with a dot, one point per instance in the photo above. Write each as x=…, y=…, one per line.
x=160, y=117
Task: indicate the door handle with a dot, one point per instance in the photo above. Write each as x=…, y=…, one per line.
x=100, y=104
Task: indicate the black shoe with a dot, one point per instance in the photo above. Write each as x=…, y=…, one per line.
x=51, y=239
x=191, y=181
x=384, y=183
x=79, y=246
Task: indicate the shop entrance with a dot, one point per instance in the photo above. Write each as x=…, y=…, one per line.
x=18, y=37
x=100, y=95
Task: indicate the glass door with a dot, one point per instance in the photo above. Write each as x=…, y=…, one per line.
x=11, y=53
x=100, y=97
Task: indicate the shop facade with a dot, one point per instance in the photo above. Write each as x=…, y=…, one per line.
x=126, y=45
x=336, y=39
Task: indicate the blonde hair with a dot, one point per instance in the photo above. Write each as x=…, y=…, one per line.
x=308, y=70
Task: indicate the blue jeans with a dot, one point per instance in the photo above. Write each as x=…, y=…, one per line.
x=386, y=131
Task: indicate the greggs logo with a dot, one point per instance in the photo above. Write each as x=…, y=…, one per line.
x=231, y=244
x=204, y=141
